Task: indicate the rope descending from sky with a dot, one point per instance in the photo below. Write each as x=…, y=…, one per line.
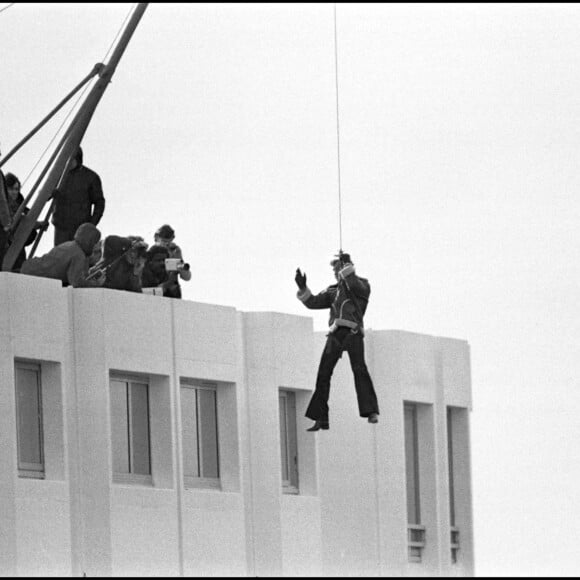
x=337, y=132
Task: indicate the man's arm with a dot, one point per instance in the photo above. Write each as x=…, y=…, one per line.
x=185, y=272
x=318, y=301
x=78, y=270
x=97, y=199
x=322, y=300
x=358, y=286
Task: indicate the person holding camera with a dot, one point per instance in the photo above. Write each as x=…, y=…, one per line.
x=164, y=236
x=347, y=300
x=156, y=275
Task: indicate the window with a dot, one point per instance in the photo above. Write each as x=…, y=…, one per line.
x=288, y=441
x=454, y=530
x=416, y=531
x=130, y=430
x=199, y=424
x=30, y=442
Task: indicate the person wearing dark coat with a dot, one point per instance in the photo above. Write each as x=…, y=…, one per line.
x=347, y=301
x=5, y=218
x=79, y=200
x=69, y=261
x=15, y=200
x=156, y=276
x=122, y=260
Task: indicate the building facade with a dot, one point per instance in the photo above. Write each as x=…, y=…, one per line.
x=146, y=436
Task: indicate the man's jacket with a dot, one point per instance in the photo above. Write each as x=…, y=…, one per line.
x=347, y=300
x=151, y=279
x=67, y=262
x=74, y=201
x=123, y=259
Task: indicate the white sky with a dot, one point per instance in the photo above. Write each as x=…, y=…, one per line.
x=460, y=142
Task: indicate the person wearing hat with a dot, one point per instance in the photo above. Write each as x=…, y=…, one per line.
x=347, y=301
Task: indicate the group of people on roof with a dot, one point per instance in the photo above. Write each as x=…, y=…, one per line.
x=81, y=257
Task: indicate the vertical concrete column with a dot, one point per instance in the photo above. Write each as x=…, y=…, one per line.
x=72, y=450
x=463, y=496
x=454, y=356
x=90, y=382
x=245, y=448
x=430, y=486
x=442, y=464
x=386, y=374
x=264, y=448
x=176, y=445
x=377, y=437
x=8, y=469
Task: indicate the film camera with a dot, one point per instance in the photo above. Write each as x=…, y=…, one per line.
x=175, y=265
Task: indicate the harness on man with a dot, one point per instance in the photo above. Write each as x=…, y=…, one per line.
x=344, y=259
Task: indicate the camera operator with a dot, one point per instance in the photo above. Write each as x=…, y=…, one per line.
x=164, y=236
x=156, y=275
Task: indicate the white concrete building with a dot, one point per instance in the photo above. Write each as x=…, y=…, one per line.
x=141, y=435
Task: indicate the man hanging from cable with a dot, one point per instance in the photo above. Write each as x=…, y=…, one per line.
x=347, y=300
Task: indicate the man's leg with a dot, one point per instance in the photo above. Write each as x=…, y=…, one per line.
x=19, y=261
x=318, y=406
x=3, y=244
x=365, y=391
x=61, y=236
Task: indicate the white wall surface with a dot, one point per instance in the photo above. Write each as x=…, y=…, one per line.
x=349, y=517
x=362, y=466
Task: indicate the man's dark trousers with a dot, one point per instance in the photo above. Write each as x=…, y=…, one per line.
x=337, y=342
x=61, y=236
x=3, y=244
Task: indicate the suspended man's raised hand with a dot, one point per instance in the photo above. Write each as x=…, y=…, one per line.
x=300, y=279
